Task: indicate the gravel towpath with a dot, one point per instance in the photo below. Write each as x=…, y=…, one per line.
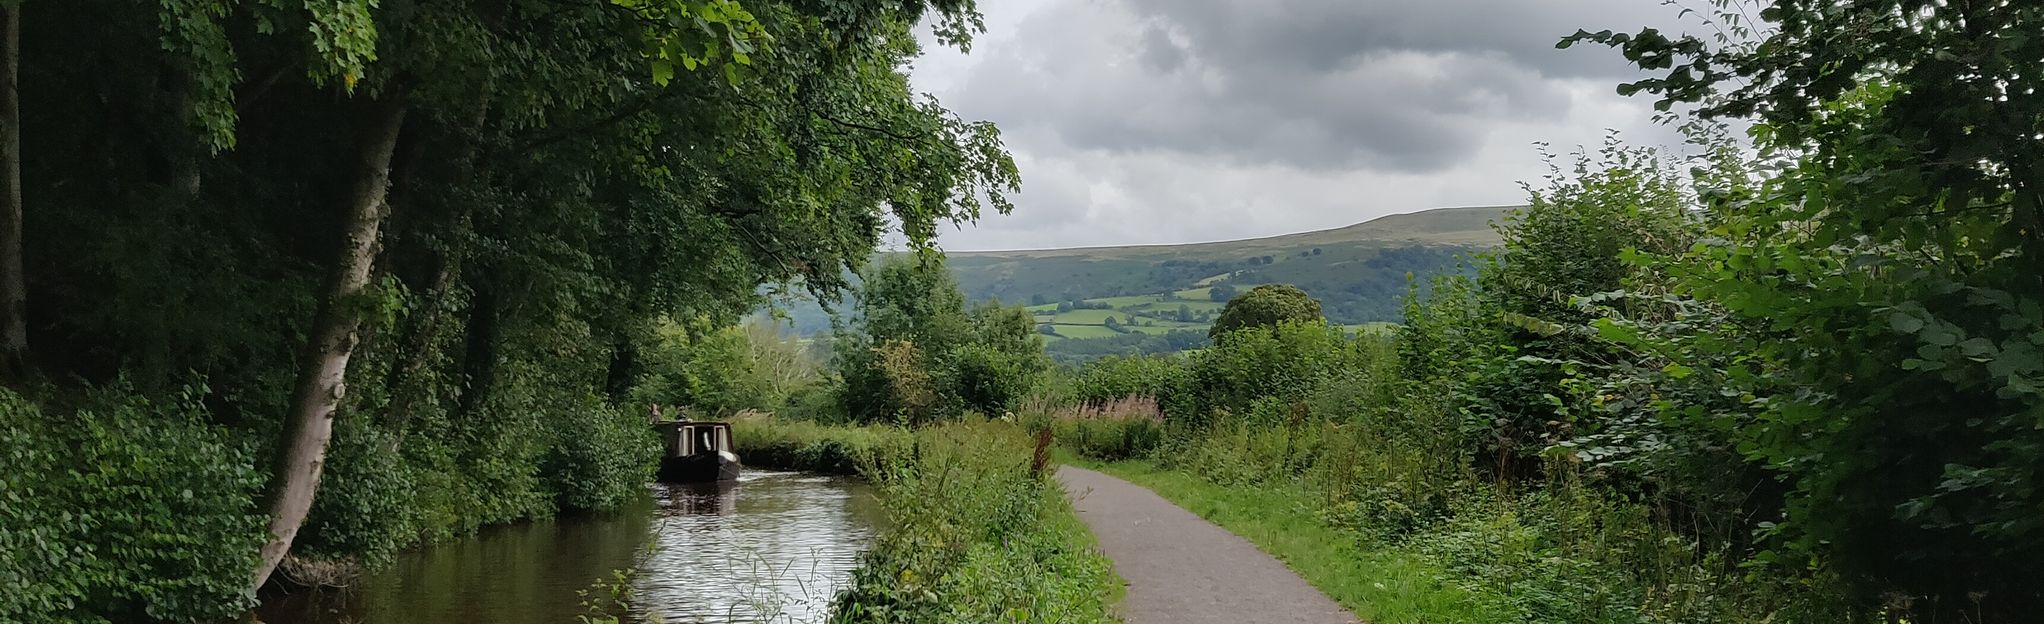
x=1182, y=569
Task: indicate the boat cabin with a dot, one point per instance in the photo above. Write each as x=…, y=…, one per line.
x=686, y=438
x=696, y=452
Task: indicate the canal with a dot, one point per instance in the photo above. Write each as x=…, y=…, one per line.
x=775, y=547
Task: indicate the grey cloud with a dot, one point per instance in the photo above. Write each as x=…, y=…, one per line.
x=1153, y=121
x=1160, y=52
x=1317, y=85
x=1325, y=34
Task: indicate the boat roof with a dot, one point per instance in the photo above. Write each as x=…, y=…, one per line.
x=692, y=423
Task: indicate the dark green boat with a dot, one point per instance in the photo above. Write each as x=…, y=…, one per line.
x=697, y=452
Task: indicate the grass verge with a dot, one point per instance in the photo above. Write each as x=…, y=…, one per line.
x=974, y=533
x=1381, y=586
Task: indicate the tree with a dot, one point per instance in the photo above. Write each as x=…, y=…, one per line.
x=13, y=284
x=1185, y=313
x=915, y=354
x=1221, y=292
x=1284, y=362
x=1003, y=359
x=1886, y=282
x=322, y=378
x=353, y=223
x=1265, y=307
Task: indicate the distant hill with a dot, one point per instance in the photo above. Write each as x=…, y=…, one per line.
x=1358, y=272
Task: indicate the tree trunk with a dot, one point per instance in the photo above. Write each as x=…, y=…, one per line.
x=423, y=337
x=624, y=368
x=479, y=352
x=13, y=281
x=405, y=387
x=322, y=375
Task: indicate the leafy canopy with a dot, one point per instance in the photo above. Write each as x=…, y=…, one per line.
x=1265, y=307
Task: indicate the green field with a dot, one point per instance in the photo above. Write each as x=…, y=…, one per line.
x=1080, y=317
x=1085, y=331
x=1359, y=272
x=1162, y=328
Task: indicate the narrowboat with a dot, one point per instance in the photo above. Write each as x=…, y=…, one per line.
x=697, y=452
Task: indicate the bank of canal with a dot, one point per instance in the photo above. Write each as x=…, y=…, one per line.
x=775, y=547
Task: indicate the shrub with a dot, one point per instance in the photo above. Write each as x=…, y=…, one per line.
x=805, y=445
x=364, y=511
x=1246, y=366
x=1117, y=377
x=713, y=370
x=973, y=536
x=916, y=354
x=1125, y=428
x=125, y=510
x=602, y=457
x=1266, y=306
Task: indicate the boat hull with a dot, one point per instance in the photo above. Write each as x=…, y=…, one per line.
x=699, y=468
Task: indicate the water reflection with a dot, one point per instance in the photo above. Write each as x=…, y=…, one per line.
x=794, y=541
x=773, y=547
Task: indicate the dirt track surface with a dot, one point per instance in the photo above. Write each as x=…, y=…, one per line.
x=1182, y=569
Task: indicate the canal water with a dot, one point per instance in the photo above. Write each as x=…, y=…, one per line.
x=774, y=547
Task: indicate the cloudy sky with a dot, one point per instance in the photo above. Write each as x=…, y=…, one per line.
x=1167, y=121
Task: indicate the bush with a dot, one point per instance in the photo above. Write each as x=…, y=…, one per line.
x=712, y=370
x=125, y=510
x=1117, y=377
x=916, y=355
x=602, y=458
x=364, y=511
x=973, y=535
x=1247, y=366
x=1126, y=428
x=1266, y=306
x=815, y=447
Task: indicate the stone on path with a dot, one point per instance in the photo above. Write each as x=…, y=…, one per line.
x=1182, y=569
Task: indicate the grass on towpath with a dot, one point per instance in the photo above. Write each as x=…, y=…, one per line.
x=1380, y=586
x=973, y=532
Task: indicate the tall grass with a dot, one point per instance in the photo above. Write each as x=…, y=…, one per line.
x=973, y=533
x=1378, y=494
x=761, y=440
x=1121, y=428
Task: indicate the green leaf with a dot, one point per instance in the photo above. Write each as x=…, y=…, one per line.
x=1977, y=347
x=663, y=72
x=1905, y=323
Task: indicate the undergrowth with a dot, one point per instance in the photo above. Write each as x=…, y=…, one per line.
x=974, y=531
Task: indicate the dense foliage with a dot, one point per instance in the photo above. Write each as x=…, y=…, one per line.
x=915, y=354
x=424, y=257
x=715, y=372
x=975, y=532
x=124, y=509
x=1680, y=353
x=1266, y=306
x=1869, y=309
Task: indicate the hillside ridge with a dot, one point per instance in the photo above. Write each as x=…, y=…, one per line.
x=1459, y=225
